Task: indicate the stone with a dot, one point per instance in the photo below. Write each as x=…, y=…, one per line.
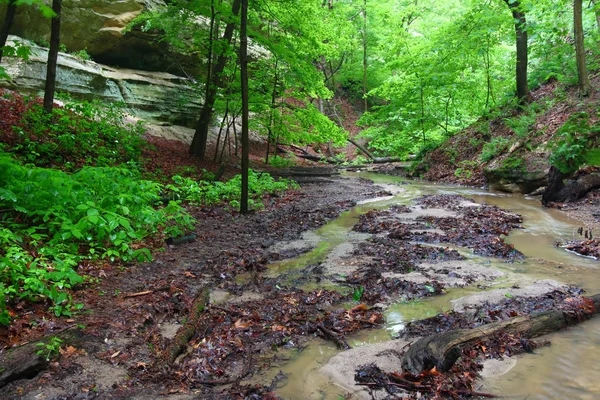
x=157, y=97
x=518, y=172
x=98, y=26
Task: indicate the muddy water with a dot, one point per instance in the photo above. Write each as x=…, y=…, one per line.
x=569, y=369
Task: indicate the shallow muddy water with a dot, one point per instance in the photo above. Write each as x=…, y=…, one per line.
x=568, y=369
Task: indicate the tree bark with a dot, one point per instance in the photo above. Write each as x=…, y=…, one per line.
x=443, y=349
x=187, y=330
x=8, y=21
x=365, y=56
x=573, y=190
x=597, y=12
x=362, y=148
x=244, y=84
x=584, y=81
x=198, y=146
x=522, y=53
x=52, y=57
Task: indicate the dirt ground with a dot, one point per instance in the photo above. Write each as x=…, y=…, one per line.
x=113, y=355
x=119, y=346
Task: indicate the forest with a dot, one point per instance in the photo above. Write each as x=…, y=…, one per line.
x=299, y=199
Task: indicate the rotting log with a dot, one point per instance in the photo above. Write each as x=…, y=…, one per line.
x=187, y=331
x=443, y=349
x=362, y=148
x=24, y=362
x=20, y=363
x=571, y=190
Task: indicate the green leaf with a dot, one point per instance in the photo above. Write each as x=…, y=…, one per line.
x=6, y=194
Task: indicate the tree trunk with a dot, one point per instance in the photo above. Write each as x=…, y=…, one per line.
x=597, y=12
x=573, y=190
x=244, y=79
x=52, y=57
x=198, y=146
x=365, y=56
x=522, y=53
x=443, y=349
x=584, y=81
x=8, y=21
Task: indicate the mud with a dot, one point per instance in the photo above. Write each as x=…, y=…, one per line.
x=127, y=334
x=258, y=311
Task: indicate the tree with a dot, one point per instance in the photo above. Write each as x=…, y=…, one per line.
x=198, y=146
x=11, y=8
x=52, y=57
x=597, y=12
x=366, y=102
x=522, y=53
x=584, y=81
x=244, y=86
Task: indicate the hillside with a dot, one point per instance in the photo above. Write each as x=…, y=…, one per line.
x=512, y=148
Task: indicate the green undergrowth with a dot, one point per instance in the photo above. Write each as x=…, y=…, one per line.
x=52, y=220
x=65, y=203
x=79, y=134
x=212, y=193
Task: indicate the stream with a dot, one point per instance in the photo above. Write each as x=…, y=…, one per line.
x=568, y=369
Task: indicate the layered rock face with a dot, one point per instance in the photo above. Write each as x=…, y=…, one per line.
x=153, y=96
x=97, y=26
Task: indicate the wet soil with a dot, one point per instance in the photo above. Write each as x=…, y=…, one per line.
x=133, y=312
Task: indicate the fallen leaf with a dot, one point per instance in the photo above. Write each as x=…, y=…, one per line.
x=360, y=307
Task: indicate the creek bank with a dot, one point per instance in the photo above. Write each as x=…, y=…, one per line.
x=129, y=307
x=255, y=317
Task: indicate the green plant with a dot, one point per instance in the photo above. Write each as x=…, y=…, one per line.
x=83, y=54
x=523, y=124
x=465, y=169
x=49, y=349
x=81, y=133
x=495, y=147
x=358, y=293
x=278, y=161
x=569, y=151
x=52, y=220
x=513, y=164
x=592, y=157
x=210, y=193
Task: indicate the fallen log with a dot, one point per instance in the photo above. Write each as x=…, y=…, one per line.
x=187, y=331
x=20, y=363
x=442, y=350
x=571, y=190
x=362, y=148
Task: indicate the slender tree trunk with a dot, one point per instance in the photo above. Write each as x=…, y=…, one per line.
x=272, y=110
x=522, y=53
x=597, y=12
x=244, y=79
x=198, y=147
x=52, y=57
x=8, y=21
x=584, y=81
x=365, y=56
x=423, y=114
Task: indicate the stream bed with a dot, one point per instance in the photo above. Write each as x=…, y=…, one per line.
x=569, y=368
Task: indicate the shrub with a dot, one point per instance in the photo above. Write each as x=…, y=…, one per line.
x=493, y=148
x=569, y=151
x=81, y=133
x=210, y=193
x=54, y=219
